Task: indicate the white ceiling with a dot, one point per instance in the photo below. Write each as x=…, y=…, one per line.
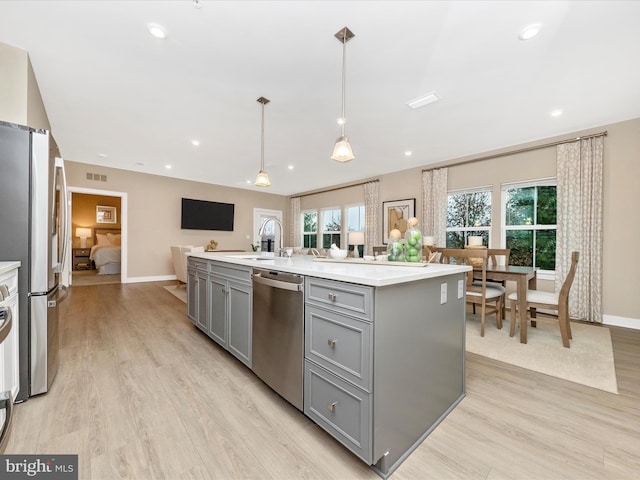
x=110, y=88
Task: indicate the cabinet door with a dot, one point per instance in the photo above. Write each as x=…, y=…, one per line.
x=192, y=295
x=201, y=316
x=218, y=310
x=240, y=301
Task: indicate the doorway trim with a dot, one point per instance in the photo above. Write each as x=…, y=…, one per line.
x=123, y=223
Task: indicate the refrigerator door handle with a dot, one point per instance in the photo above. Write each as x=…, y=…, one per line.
x=64, y=210
x=6, y=326
x=6, y=403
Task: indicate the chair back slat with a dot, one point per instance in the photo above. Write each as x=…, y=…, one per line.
x=566, y=285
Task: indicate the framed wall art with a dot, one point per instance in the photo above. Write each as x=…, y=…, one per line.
x=395, y=214
x=105, y=214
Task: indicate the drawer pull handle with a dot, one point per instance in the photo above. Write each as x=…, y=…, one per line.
x=332, y=297
x=331, y=343
x=332, y=406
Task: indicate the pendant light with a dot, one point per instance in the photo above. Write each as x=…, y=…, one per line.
x=262, y=180
x=342, y=150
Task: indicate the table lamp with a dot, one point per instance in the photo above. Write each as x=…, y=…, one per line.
x=356, y=239
x=83, y=233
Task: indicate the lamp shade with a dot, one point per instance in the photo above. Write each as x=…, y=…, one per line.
x=262, y=180
x=356, y=238
x=342, y=150
x=83, y=233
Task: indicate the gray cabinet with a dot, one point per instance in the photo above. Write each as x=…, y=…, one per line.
x=220, y=303
x=231, y=300
x=197, y=277
x=338, y=361
x=383, y=365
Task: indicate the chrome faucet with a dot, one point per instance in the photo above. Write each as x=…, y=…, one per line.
x=277, y=221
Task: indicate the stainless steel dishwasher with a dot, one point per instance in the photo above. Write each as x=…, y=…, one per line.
x=278, y=332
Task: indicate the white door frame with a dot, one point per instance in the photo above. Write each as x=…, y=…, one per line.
x=123, y=227
x=258, y=215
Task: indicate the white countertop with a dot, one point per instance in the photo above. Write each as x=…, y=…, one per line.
x=365, y=274
x=7, y=266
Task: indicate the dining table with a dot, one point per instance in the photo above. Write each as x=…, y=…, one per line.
x=525, y=278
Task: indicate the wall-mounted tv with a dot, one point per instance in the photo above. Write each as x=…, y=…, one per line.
x=205, y=215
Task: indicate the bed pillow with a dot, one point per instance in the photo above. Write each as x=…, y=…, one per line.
x=114, y=239
x=103, y=240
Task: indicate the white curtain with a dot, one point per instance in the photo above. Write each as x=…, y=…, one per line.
x=295, y=235
x=579, y=224
x=371, y=210
x=434, y=205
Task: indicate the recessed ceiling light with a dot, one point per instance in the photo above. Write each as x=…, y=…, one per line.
x=140, y=164
x=168, y=167
x=290, y=167
x=556, y=113
x=157, y=31
x=408, y=153
x=197, y=4
x=248, y=182
x=102, y=155
x=530, y=31
x=423, y=100
x=195, y=143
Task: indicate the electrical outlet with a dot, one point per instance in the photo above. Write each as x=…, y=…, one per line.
x=443, y=293
x=460, y=289
x=248, y=236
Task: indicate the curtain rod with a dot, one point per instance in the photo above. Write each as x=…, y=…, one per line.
x=522, y=150
x=334, y=189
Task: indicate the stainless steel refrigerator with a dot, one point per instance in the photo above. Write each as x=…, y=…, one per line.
x=34, y=230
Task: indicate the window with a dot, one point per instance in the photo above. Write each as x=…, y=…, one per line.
x=355, y=222
x=310, y=229
x=468, y=214
x=331, y=227
x=530, y=223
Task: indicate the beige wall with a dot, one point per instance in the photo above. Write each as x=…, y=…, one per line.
x=154, y=209
x=621, y=199
x=14, y=84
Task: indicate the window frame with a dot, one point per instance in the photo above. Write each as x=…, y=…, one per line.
x=302, y=232
x=541, y=274
x=483, y=228
x=321, y=224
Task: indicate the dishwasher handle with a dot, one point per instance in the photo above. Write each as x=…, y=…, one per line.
x=294, y=287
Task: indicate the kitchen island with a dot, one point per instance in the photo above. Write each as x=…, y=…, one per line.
x=384, y=345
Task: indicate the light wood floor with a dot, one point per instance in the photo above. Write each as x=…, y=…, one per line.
x=142, y=394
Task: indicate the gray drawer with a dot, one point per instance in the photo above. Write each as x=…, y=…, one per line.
x=235, y=272
x=197, y=263
x=339, y=343
x=340, y=408
x=345, y=297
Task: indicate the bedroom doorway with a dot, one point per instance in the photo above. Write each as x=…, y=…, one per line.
x=97, y=251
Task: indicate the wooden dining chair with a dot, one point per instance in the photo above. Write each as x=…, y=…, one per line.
x=550, y=300
x=497, y=256
x=489, y=298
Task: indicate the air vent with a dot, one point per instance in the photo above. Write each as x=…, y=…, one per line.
x=97, y=177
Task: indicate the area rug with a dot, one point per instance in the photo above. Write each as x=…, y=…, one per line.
x=589, y=361
x=178, y=292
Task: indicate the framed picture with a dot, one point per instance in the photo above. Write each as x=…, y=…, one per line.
x=106, y=214
x=395, y=214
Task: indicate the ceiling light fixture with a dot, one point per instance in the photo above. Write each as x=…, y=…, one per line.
x=530, y=31
x=195, y=143
x=342, y=151
x=408, y=153
x=556, y=113
x=431, y=97
x=157, y=31
x=262, y=180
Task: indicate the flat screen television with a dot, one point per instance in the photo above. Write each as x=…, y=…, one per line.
x=205, y=215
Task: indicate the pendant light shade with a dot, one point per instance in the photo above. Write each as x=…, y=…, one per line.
x=262, y=180
x=342, y=151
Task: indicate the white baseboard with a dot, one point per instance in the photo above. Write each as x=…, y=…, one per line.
x=159, y=278
x=621, y=321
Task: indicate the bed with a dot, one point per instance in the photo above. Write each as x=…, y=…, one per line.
x=106, y=250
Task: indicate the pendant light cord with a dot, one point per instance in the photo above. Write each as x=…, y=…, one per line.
x=344, y=68
x=262, y=142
